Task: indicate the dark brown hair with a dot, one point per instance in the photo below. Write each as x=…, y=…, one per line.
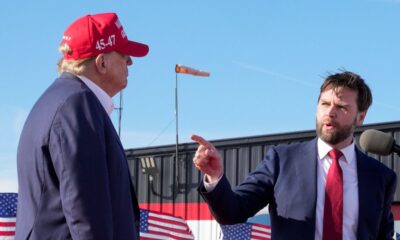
x=352, y=81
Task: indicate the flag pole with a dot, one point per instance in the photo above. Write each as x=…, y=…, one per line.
x=176, y=136
x=120, y=114
x=191, y=71
x=119, y=109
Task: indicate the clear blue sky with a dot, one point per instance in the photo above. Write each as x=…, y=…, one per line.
x=267, y=60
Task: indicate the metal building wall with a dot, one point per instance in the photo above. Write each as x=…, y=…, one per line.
x=176, y=194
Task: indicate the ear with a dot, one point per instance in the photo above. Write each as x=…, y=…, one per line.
x=360, y=118
x=101, y=63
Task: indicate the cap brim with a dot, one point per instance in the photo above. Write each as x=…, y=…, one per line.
x=134, y=49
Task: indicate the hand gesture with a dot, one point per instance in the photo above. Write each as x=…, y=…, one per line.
x=207, y=159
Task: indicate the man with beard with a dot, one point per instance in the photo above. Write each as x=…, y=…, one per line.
x=325, y=188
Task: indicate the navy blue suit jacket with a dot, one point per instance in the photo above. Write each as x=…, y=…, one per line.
x=74, y=181
x=286, y=179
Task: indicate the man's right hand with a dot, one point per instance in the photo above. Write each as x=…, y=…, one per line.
x=207, y=159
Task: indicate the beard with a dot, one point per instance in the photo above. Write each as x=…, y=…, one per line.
x=336, y=135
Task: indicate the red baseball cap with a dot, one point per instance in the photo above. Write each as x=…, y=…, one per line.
x=92, y=35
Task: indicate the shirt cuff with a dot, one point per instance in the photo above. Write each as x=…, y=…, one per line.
x=209, y=186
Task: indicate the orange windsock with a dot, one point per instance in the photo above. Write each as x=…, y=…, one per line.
x=187, y=70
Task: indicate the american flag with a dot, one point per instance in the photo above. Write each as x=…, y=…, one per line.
x=8, y=213
x=155, y=225
x=246, y=231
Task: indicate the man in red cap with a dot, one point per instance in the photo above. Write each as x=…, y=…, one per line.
x=74, y=181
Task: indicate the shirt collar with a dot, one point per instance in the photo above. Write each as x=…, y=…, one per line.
x=349, y=152
x=105, y=100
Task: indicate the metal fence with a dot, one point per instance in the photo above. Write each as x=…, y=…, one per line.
x=175, y=181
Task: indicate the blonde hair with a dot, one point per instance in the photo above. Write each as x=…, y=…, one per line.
x=77, y=67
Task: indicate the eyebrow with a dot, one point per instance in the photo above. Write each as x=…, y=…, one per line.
x=339, y=103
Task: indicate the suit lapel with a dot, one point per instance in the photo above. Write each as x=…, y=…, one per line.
x=367, y=189
x=133, y=192
x=306, y=169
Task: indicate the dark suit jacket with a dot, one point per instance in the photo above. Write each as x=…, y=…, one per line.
x=286, y=179
x=74, y=181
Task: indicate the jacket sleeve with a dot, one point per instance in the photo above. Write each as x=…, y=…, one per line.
x=77, y=149
x=236, y=205
x=386, y=229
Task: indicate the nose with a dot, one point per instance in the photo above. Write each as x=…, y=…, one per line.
x=331, y=110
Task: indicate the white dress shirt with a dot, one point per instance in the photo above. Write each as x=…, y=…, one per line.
x=348, y=163
x=105, y=100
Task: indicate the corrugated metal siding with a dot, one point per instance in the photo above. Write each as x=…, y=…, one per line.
x=240, y=155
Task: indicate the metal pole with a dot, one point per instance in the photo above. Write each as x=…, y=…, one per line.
x=120, y=114
x=177, y=136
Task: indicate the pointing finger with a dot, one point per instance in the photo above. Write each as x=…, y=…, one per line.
x=200, y=140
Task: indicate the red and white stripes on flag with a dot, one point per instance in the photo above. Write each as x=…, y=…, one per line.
x=155, y=225
x=260, y=231
x=246, y=231
x=7, y=228
x=8, y=211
